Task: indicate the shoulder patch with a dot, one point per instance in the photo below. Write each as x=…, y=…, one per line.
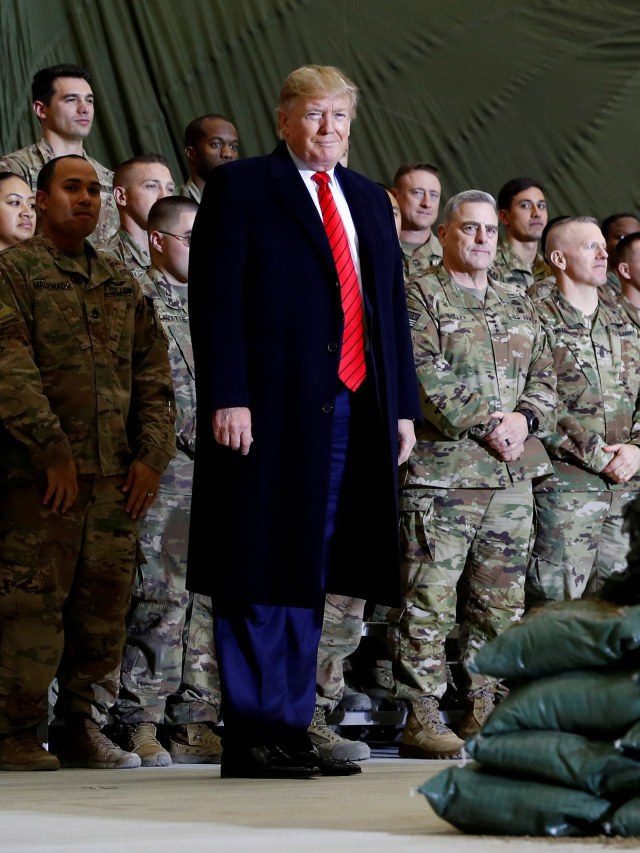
x=414, y=316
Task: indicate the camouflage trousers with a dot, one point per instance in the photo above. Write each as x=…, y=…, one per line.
x=341, y=633
x=65, y=586
x=579, y=544
x=169, y=671
x=466, y=544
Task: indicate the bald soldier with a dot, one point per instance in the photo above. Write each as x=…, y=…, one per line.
x=87, y=413
x=595, y=446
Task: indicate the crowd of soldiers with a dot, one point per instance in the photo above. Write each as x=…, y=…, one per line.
x=527, y=353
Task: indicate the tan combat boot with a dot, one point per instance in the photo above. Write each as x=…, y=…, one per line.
x=86, y=746
x=194, y=743
x=425, y=735
x=330, y=745
x=478, y=712
x=23, y=751
x=141, y=739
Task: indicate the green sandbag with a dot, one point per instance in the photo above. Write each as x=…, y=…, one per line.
x=626, y=820
x=629, y=743
x=479, y=802
x=599, y=705
x=560, y=758
x=562, y=637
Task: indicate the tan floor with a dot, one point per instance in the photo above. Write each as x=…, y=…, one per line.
x=184, y=808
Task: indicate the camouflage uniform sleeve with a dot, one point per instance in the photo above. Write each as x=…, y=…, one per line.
x=571, y=440
x=25, y=411
x=539, y=393
x=446, y=401
x=9, y=163
x=152, y=399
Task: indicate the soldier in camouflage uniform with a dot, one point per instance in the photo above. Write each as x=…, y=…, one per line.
x=595, y=446
x=522, y=210
x=417, y=189
x=64, y=104
x=169, y=672
x=209, y=141
x=137, y=184
x=87, y=429
x=341, y=635
x=614, y=228
x=466, y=507
x=627, y=267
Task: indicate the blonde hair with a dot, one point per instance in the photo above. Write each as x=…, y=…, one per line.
x=311, y=80
x=553, y=237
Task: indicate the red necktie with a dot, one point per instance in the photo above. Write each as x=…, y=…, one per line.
x=352, y=368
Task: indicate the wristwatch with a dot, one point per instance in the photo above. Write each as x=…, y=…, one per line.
x=533, y=423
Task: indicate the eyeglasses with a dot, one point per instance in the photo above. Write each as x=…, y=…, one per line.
x=185, y=239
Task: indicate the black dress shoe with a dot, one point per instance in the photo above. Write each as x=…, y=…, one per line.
x=328, y=766
x=265, y=762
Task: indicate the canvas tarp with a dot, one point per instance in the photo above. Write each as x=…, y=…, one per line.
x=485, y=90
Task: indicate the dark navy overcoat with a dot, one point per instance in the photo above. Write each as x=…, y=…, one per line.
x=266, y=325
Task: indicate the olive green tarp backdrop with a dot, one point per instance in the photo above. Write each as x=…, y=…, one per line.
x=487, y=90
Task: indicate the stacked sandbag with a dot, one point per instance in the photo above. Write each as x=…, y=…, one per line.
x=560, y=755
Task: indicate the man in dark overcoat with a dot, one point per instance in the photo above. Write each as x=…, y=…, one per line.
x=296, y=470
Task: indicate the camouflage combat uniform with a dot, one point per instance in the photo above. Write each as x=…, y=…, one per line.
x=190, y=190
x=27, y=163
x=136, y=259
x=416, y=260
x=611, y=291
x=85, y=376
x=341, y=635
x=510, y=269
x=580, y=541
x=169, y=672
x=464, y=513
